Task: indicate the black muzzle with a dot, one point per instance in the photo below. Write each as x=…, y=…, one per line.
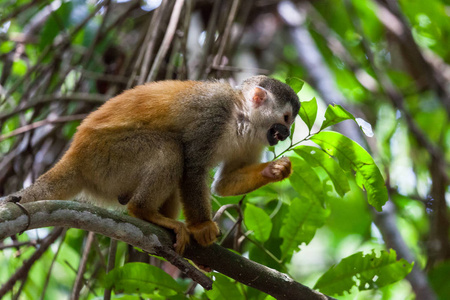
x=276, y=133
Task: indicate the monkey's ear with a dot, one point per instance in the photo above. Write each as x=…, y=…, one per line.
x=259, y=96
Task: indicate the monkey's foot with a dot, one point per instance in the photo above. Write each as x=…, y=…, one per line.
x=205, y=268
x=205, y=233
x=182, y=235
x=278, y=169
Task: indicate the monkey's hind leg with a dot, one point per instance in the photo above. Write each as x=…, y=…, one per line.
x=141, y=211
x=156, y=198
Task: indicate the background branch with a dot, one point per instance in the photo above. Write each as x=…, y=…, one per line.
x=21, y=273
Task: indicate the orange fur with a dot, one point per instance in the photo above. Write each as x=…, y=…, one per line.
x=252, y=177
x=156, y=106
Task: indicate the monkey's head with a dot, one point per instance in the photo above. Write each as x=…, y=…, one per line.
x=271, y=108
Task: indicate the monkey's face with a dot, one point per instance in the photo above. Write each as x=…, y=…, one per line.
x=272, y=107
x=281, y=119
x=273, y=121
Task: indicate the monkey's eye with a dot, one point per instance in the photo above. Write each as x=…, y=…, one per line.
x=286, y=118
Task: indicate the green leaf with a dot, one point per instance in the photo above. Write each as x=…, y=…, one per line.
x=335, y=114
x=305, y=181
x=308, y=112
x=19, y=67
x=351, y=155
x=438, y=278
x=304, y=218
x=258, y=221
x=56, y=23
x=224, y=288
x=141, y=278
x=7, y=46
x=295, y=83
x=364, y=271
x=317, y=158
x=70, y=128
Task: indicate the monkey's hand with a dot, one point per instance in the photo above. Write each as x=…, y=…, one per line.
x=278, y=170
x=205, y=233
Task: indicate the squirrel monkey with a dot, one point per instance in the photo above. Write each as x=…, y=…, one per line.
x=151, y=148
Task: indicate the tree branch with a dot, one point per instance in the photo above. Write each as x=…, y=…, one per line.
x=155, y=240
x=40, y=100
x=29, y=127
x=167, y=41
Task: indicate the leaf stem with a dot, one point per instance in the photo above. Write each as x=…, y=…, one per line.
x=293, y=145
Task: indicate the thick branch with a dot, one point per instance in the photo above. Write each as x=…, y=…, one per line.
x=131, y=230
x=152, y=239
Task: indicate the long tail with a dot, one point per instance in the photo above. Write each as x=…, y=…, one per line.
x=62, y=182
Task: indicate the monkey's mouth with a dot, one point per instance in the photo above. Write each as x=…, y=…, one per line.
x=276, y=133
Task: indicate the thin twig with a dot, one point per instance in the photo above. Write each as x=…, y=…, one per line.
x=86, y=283
x=49, y=272
x=101, y=257
x=17, y=244
x=82, y=267
x=209, y=39
x=26, y=128
x=222, y=210
x=82, y=97
x=148, y=47
x=183, y=69
x=19, y=10
x=226, y=35
x=86, y=58
x=22, y=284
x=111, y=262
x=170, y=32
x=60, y=46
x=22, y=272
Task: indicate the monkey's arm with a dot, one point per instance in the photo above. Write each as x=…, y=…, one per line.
x=236, y=181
